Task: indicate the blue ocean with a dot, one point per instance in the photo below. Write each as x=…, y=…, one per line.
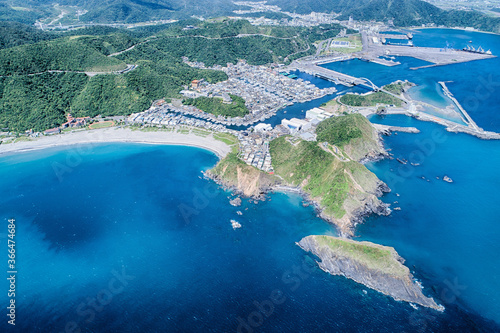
x=132, y=238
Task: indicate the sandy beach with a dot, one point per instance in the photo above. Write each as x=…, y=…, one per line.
x=107, y=135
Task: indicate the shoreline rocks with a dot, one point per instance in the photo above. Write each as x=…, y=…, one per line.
x=375, y=266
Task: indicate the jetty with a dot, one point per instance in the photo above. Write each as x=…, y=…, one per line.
x=387, y=130
x=468, y=118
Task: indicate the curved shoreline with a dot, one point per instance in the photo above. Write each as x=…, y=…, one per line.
x=118, y=135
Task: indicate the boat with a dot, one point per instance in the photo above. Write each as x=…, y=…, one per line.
x=479, y=50
x=415, y=164
x=470, y=41
x=402, y=161
x=447, y=179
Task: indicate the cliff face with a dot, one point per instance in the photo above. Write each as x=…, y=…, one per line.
x=233, y=173
x=344, y=191
x=375, y=266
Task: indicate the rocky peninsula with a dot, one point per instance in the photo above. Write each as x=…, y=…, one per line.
x=326, y=172
x=375, y=266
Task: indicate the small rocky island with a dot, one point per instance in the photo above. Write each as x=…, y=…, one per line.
x=375, y=266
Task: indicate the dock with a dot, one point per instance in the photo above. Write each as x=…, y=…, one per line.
x=386, y=129
x=393, y=36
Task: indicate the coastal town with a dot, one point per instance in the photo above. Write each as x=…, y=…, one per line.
x=267, y=89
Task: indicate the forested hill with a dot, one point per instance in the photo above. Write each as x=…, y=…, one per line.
x=32, y=95
x=109, y=11
x=403, y=12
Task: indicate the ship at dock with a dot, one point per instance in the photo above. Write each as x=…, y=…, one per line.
x=479, y=50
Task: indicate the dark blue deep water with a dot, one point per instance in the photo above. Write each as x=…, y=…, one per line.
x=131, y=238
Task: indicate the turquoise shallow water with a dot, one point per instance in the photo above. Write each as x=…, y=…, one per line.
x=451, y=229
x=130, y=238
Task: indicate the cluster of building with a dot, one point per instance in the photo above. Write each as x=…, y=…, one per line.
x=263, y=88
x=71, y=122
x=254, y=150
x=295, y=20
x=306, y=128
x=169, y=117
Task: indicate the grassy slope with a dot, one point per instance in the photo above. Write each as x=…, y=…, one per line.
x=353, y=133
x=371, y=99
x=373, y=256
x=321, y=175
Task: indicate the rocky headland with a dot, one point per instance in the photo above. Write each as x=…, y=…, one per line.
x=328, y=173
x=375, y=266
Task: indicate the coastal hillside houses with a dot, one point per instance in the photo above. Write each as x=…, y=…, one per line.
x=75, y=122
x=254, y=151
x=52, y=131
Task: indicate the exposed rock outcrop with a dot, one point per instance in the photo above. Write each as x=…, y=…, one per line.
x=375, y=266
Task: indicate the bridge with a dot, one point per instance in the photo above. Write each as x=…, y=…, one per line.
x=328, y=74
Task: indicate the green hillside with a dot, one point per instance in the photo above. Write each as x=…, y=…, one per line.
x=39, y=101
x=216, y=106
x=67, y=54
x=338, y=186
x=402, y=12
x=352, y=133
x=16, y=34
x=262, y=45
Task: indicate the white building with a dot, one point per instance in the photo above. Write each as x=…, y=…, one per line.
x=318, y=113
x=294, y=124
x=262, y=127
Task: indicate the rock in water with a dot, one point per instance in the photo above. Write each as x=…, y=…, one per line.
x=236, y=202
x=235, y=224
x=376, y=266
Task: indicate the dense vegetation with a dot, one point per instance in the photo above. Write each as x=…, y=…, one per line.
x=353, y=133
x=16, y=34
x=39, y=101
x=67, y=54
x=218, y=44
x=339, y=131
x=398, y=88
x=402, y=12
x=371, y=99
x=217, y=107
x=325, y=175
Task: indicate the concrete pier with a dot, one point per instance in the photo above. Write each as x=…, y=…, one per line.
x=462, y=110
